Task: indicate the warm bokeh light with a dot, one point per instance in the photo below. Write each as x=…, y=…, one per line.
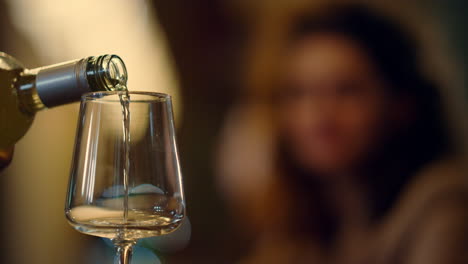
x=37, y=178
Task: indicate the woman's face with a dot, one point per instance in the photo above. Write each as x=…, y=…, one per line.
x=332, y=105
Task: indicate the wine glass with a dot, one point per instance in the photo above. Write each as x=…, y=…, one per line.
x=125, y=186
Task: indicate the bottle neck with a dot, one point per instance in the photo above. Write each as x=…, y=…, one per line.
x=61, y=83
x=66, y=82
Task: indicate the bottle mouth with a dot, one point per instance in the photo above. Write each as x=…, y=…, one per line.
x=111, y=72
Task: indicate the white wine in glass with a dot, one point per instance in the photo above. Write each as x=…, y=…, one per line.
x=125, y=181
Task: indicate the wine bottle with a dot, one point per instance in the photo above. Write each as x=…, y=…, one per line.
x=23, y=92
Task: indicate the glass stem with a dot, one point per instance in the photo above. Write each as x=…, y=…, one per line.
x=124, y=251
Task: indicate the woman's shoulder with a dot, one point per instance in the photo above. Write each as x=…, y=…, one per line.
x=439, y=191
x=436, y=196
x=440, y=183
x=434, y=214
x=442, y=180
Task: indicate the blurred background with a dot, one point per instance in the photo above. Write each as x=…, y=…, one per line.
x=195, y=50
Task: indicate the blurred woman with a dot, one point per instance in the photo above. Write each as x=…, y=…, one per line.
x=341, y=153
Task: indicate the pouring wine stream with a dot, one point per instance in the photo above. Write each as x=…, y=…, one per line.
x=125, y=102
